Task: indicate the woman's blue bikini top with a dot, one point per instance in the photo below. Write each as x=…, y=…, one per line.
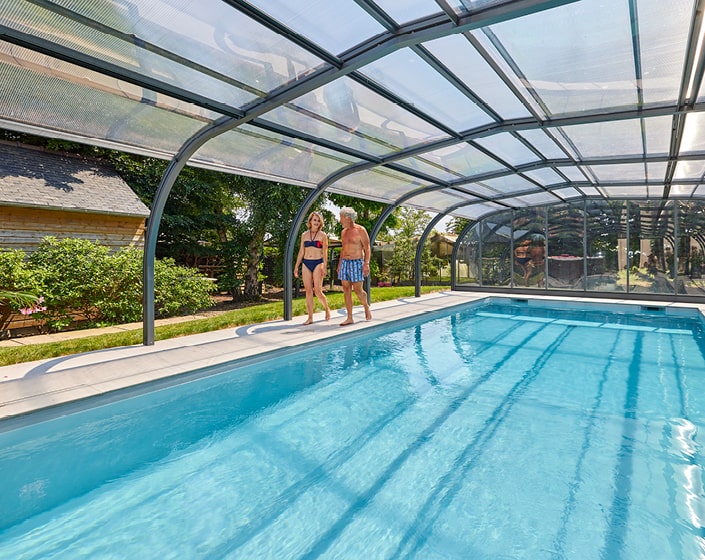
x=318, y=244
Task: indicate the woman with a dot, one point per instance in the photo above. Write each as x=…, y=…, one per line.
x=313, y=253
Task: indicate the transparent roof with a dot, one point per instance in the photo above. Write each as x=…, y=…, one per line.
x=460, y=106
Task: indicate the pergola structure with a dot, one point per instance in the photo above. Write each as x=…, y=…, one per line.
x=457, y=107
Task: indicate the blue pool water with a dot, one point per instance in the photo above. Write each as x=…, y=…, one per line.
x=495, y=431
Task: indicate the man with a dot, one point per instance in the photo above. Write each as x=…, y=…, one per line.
x=354, y=262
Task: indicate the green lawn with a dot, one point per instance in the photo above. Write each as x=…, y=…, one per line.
x=257, y=313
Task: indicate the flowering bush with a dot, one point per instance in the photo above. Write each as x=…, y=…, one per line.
x=36, y=308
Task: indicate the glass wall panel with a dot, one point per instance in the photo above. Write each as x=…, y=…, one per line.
x=650, y=255
x=467, y=262
x=606, y=233
x=496, y=251
x=691, y=247
x=566, y=266
x=529, y=228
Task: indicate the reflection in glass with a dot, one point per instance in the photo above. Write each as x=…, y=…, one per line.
x=529, y=232
x=613, y=246
x=566, y=266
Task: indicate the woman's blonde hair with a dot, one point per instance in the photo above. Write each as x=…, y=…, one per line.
x=311, y=215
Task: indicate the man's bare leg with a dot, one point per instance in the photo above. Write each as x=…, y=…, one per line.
x=362, y=296
x=347, y=297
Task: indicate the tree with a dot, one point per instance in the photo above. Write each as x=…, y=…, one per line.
x=267, y=210
x=368, y=212
x=411, y=224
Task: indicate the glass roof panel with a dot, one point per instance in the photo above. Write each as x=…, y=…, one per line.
x=381, y=184
x=657, y=170
x=693, y=134
x=432, y=201
x=508, y=148
x=254, y=151
x=548, y=48
x=605, y=139
x=509, y=184
x=474, y=211
x=336, y=26
x=568, y=193
x=92, y=106
x=543, y=143
x=572, y=173
x=617, y=172
x=658, y=135
x=404, y=11
x=625, y=192
x=463, y=6
x=689, y=169
x=545, y=176
x=417, y=83
x=663, y=42
x=349, y=114
x=699, y=191
x=453, y=162
x=683, y=190
x=534, y=199
x=465, y=62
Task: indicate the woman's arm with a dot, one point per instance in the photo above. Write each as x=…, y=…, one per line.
x=299, y=257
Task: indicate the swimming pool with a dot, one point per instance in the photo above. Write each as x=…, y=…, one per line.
x=499, y=430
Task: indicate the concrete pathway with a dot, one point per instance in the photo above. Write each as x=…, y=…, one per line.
x=47, y=383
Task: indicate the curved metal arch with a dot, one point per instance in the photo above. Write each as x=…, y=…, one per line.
x=175, y=166
x=422, y=241
x=454, y=254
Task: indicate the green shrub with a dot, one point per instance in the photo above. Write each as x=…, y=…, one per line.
x=79, y=279
x=15, y=274
x=72, y=281
x=179, y=290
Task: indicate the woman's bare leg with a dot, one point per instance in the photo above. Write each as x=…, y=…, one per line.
x=319, y=274
x=308, y=286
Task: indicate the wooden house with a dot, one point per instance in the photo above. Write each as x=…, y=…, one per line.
x=46, y=193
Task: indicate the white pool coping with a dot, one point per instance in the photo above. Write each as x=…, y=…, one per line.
x=33, y=386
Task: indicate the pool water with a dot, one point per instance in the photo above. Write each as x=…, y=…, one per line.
x=493, y=431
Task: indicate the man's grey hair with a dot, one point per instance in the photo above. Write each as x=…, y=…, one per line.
x=349, y=212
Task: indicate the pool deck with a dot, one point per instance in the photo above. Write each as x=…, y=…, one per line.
x=46, y=384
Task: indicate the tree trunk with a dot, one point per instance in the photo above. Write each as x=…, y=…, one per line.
x=254, y=252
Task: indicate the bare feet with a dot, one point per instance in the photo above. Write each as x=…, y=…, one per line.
x=327, y=314
x=347, y=322
x=368, y=314
x=308, y=321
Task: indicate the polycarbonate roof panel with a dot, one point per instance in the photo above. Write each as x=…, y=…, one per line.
x=475, y=72
x=63, y=97
x=453, y=163
x=265, y=153
x=545, y=176
x=404, y=11
x=335, y=26
x=543, y=143
x=508, y=148
x=622, y=171
x=495, y=98
x=419, y=84
x=689, y=169
x=577, y=79
x=434, y=200
x=381, y=184
x=693, y=134
x=349, y=114
x=477, y=210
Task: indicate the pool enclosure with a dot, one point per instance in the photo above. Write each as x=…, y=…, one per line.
x=575, y=125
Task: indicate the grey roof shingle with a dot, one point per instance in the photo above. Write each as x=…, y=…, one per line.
x=37, y=178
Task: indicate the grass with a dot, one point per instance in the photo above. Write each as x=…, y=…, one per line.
x=257, y=313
